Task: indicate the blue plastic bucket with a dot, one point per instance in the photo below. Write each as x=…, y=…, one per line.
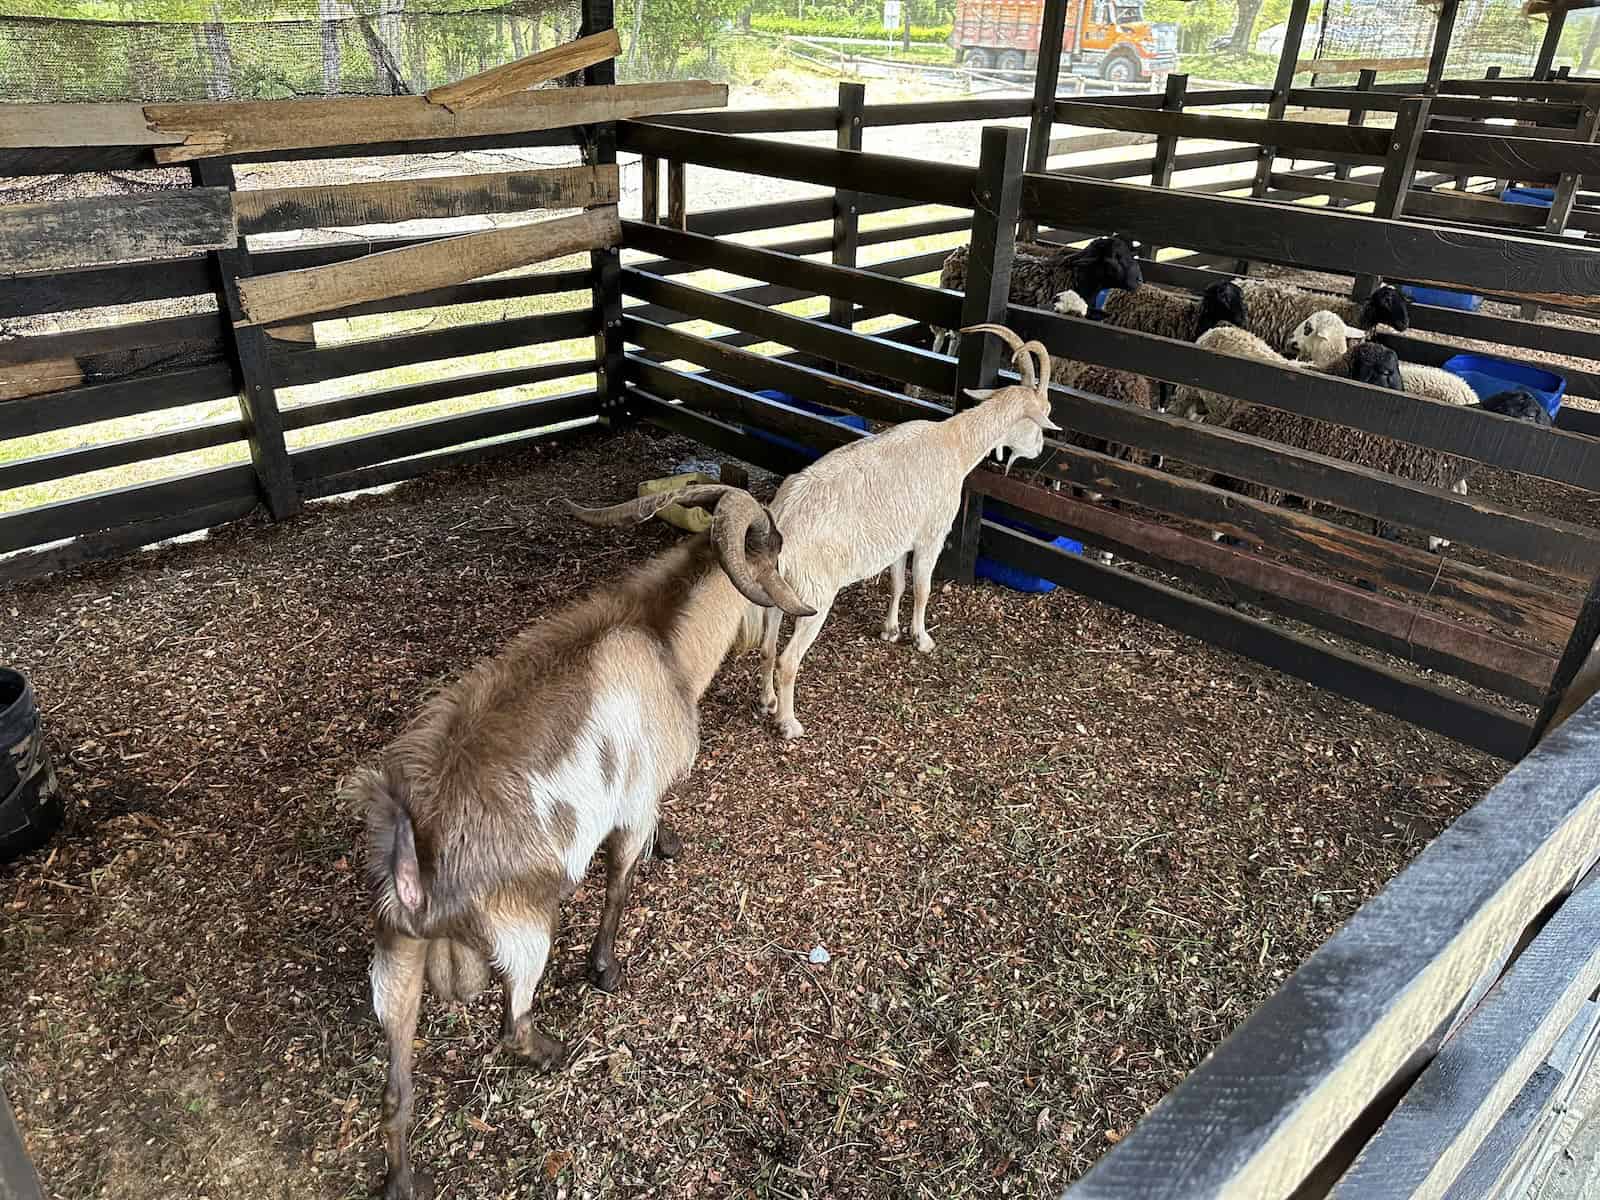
x=1487, y=375
x=1442, y=297
x=806, y=406
x=1015, y=578
x=1537, y=197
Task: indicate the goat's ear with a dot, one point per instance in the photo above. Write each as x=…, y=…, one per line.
x=980, y=393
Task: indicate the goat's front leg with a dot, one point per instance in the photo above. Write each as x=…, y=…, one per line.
x=521, y=949
x=771, y=626
x=396, y=974
x=923, y=560
x=897, y=589
x=805, y=632
x=623, y=849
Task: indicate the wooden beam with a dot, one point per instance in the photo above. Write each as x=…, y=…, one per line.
x=66, y=126
x=275, y=210
x=38, y=378
x=524, y=73
x=1428, y=1139
x=261, y=126
x=270, y=298
x=1350, y=66
x=47, y=235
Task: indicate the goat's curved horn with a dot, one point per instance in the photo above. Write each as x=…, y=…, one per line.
x=1012, y=341
x=737, y=515
x=1019, y=351
x=1044, y=363
x=636, y=512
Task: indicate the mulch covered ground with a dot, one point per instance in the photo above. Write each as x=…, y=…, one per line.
x=1052, y=865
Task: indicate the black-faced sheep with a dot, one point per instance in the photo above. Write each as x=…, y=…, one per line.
x=1321, y=338
x=1177, y=315
x=1277, y=309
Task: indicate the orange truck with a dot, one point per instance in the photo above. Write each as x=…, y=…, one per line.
x=1106, y=39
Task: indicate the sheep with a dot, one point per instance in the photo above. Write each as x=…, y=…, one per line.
x=863, y=507
x=1521, y=404
x=1039, y=273
x=1102, y=381
x=485, y=812
x=1321, y=338
x=1174, y=315
x=1277, y=309
x=1435, y=383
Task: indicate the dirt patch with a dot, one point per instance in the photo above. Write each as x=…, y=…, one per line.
x=1053, y=864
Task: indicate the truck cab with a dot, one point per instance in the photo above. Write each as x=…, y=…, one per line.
x=1105, y=39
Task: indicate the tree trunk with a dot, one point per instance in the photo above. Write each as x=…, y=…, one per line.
x=1249, y=10
x=327, y=10
x=220, y=84
x=516, y=36
x=1591, y=45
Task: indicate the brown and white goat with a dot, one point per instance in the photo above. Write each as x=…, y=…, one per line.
x=485, y=813
x=866, y=506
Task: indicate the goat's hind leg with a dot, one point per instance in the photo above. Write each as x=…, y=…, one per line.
x=397, y=974
x=521, y=949
x=771, y=626
x=623, y=850
x=897, y=588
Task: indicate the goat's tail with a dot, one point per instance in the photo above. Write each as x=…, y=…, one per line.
x=391, y=843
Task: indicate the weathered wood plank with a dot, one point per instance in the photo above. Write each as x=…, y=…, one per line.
x=263, y=126
x=517, y=76
x=274, y=210
x=278, y=297
x=42, y=126
x=47, y=235
x=39, y=377
x=1428, y=1139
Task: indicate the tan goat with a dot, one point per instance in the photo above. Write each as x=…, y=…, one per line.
x=485, y=813
x=864, y=507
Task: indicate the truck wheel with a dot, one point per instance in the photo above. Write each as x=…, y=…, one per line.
x=1012, y=60
x=1120, y=68
x=975, y=58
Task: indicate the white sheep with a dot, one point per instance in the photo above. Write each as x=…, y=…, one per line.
x=862, y=508
x=1435, y=383
x=1276, y=310
x=1322, y=337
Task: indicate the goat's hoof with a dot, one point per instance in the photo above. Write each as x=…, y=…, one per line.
x=668, y=844
x=606, y=977
x=791, y=729
x=924, y=644
x=890, y=635
x=767, y=706
x=542, y=1052
x=412, y=1185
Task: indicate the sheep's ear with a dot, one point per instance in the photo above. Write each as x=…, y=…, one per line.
x=979, y=393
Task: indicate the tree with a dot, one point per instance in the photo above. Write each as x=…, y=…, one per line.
x=1244, y=25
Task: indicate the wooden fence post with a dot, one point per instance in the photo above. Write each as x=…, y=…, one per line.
x=1580, y=646
x=1399, y=166
x=1166, y=144
x=650, y=189
x=1556, y=22
x=605, y=266
x=1364, y=83
x=1294, y=31
x=248, y=346
x=677, y=195
x=994, y=245
x=1566, y=192
x=847, y=205
x=1443, y=31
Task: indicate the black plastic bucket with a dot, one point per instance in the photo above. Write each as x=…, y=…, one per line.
x=30, y=804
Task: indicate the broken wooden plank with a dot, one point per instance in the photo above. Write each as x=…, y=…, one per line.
x=263, y=126
x=65, y=126
x=286, y=294
x=522, y=74
x=275, y=210
x=51, y=234
x=39, y=378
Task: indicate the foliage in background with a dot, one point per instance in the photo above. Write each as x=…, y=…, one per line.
x=848, y=28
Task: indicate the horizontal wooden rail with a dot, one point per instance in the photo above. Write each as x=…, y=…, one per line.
x=1402, y=629
x=1483, y=437
x=121, y=398
x=127, y=283
x=453, y=387
x=330, y=458
x=1326, y=239
x=31, y=564
x=300, y=366
x=1479, y=725
x=124, y=506
x=43, y=468
x=1561, y=116
x=849, y=170
x=51, y=235
x=735, y=404
x=934, y=305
